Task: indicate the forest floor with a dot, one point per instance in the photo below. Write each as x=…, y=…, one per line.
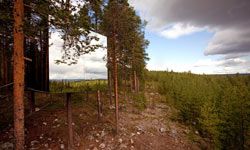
x=150, y=128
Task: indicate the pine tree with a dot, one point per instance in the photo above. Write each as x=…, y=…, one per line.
x=126, y=43
x=18, y=75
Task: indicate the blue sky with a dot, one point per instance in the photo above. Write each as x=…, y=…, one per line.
x=211, y=37
x=184, y=50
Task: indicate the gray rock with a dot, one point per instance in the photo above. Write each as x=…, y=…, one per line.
x=46, y=145
x=78, y=144
x=123, y=129
x=197, y=132
x=102, y=134
x=162, y=130
x=34, y=142
x=186, y=131
x=62, y=146
x=102, y=146
x=123, y=146
x=7, y=145
x=131, y=141
x=139, y=128
x=111, y=107
x=95, y=148
x=120, y=140
x=37, y=109
x=174, y=131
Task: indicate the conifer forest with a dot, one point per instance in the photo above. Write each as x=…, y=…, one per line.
x=131, y=75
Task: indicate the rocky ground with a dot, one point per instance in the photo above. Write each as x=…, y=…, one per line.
x=151, y=128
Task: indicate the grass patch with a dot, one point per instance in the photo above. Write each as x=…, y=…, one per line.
x=140, y=101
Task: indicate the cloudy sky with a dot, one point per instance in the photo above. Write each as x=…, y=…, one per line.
x=203, y=36
x=89, y=66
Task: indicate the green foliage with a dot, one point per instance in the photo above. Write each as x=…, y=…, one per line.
x=217, y=106
x=120, y=21
x=77, y=86
x=140, y=101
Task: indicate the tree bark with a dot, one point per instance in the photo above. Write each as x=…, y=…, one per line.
x=18, y=75
x=138, y=84
x=116, y=92
x=124, y=83
x=131, y=82
x=109, y=71
x=99, y=105
x=5, y=63
x=135, y=82
x=2, y=48
x=110, y=86
x=115, y=78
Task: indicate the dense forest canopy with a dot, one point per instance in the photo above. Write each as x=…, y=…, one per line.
x=218, y=106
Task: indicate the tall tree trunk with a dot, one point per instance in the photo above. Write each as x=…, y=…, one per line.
x=7, y=57
x=126, y=85
x=135, y=81
x=18, y=74
x=115, y=78
x=109, y=71
x=5, y=63
x=131, y=82
x=116, y=92
x=137, y=84
x=124, y=82
x=110, y=85
x=1, y=62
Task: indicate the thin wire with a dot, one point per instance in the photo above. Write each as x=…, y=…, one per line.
x=6, y=85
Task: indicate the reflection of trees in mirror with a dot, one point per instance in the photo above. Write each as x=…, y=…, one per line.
x=65, y=86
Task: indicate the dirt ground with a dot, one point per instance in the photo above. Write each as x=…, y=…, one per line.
x=151, y=128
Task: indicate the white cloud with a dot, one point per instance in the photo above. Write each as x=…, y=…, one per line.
x=229, y=41
x=231, y=65
x=228, y=19
x=89, y=66
x=207, y=66
x=178, y=30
